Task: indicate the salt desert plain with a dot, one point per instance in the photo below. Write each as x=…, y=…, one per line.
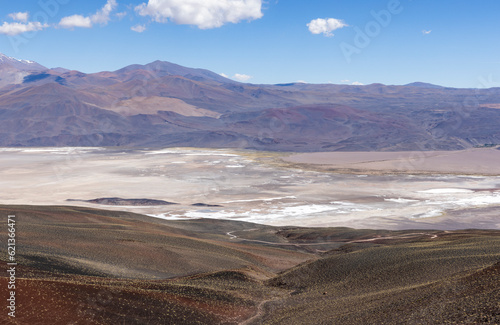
x=382, y=190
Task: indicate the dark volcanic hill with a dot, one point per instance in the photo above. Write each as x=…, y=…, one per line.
x=125, y=202
x=162, y=104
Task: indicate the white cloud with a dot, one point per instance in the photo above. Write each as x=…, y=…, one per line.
x=237, y=76
x=138, y=28
x=325, y=26
x=354, y=83
x=100, y=17
x=19, y=28
x=20, y=16
x=75, y=21
x=122, y=14
x=426, y=32
x=242, y=77
x=202, y=13
x=21, y=24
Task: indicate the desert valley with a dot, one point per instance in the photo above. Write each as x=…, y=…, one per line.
x=159, y=194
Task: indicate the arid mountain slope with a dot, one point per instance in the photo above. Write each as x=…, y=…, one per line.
x=162, y=104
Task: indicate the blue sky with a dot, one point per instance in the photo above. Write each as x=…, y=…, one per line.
x=451, y=43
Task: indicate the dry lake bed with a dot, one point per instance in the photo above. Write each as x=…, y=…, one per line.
x=438, y=190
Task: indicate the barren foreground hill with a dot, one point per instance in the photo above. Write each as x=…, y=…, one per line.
x=88, y=266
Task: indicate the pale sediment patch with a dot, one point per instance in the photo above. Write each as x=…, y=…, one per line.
x=477, y=161
x=430, y=214
x=264, y=200
x=401, y=200
x=446, y=191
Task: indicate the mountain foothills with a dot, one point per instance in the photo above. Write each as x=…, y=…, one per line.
x=162, y=104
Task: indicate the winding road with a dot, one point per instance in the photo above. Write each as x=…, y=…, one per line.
x=411, y=235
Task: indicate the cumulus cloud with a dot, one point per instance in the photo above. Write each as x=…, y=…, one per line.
x=75, y=21
x=19, y=28
x=20, y=24
x=237, y=76
x=325, y=26
x=242, y=77
x=354, y=83
x=102, y=17
x=20, y=16
x=138, y=28
x=204, y=14
x=426, y=32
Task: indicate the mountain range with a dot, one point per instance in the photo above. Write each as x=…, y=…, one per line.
x=162, y=104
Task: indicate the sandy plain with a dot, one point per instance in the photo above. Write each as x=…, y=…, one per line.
x=477, y=161
x=426, y=190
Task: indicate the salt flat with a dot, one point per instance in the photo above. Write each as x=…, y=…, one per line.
x=259, y=187
x=476, y=161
